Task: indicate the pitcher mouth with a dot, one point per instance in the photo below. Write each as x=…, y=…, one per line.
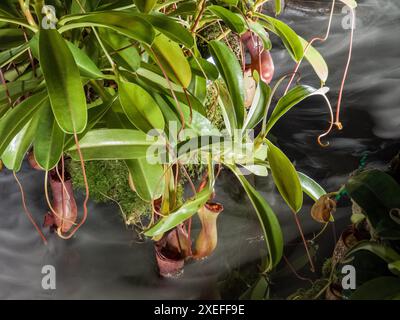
x=214, y=207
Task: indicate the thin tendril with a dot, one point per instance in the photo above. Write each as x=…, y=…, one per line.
x=296, y=218
x=353, y=20
x=27, y=212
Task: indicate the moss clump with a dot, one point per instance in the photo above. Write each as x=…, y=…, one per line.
x=213, y=110
x=108, y=181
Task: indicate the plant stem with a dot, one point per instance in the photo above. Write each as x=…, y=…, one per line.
x=296, y=218
x=201, y=7
x=27, y=13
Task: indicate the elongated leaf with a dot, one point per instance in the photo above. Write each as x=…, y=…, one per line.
x=188, y=209
x=145, y=5
x=268, y=221
x=114, y=144
x=49, y=140
x=129, y=25
x=16, y=118
x=258, y=105
x=94, y=116
x=87, y=67
x=230, y=70
x=376, y=193
x=382, y=251
x=278, y=7
x=9, y=55
x=260, y=31
x=126, y=55
x=285, y=177
x=382, y=288
x=19, y=146
x=234, y=21
x=172, y=60
x=289, y=100
x=171, y=28
x=17, y=89
x=316, y=60
x=147, y=178
x=288, y=36
x=311, y=187
x=63, y=81
x=140, y=107
x=202, y=68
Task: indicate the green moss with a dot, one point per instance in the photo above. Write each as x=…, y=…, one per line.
x=108, y=181
x=213, y=110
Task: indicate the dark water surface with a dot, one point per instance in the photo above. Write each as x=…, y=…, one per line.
x=104, y=259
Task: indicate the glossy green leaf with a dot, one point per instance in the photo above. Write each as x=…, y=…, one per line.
x=258, y=105
x=278, y=7
x=288, y=36
x=285, y=177
x=16, y=118
x=376, y=193
x=234, y=21
x=384, y=252
x=145, y=5
x=63, y=81
x=311, y=187
x=19, y=146
x=260, y=31
x=382, y=288
x=188, y=209
x=316, y=60
x=114, y=144
x=49, y=140
x=126, y=55
x=18, y=89
x=94, y=116
x=11, y=38
x=268, y=221
x=289, y=100
x=202, y=68
x=86, y=66
x=140, y=107
x=230, y=70
x=14, y=53
x=171, y=28
x=129, y=25
x=173, y=61
x=147, y=178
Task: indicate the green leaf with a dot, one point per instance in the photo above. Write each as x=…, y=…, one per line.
x=285, y=177
x=171, y=28
x=234, y=21
x=259, y=30
x=188, y=209
x=202, y=68
x=376, y=193
x=49, y=140
x=140, y=107
x=12, y=54
x=19, y=146
x=63, y=81
x=86, y=65
x=147, y=178
x=288, y=36
x=17, y=89
x=129, y=25
x=126, y=55
x=258, y=105
x=382, y=251
x=268, y=221
x=316, y=60
x=145, y=5
x=311, y=187
x=382, y=288
x=289, y=100
x=394, y=267
x=172, y=60
x=11, y=38
x=198, y=87
x=114, y=144
x=16, y=118
x=278, y=7
x=230, y=70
